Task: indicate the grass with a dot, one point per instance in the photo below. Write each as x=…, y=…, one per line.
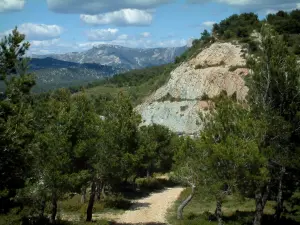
x=236, y=210
x=73, y=210
x=109, y=203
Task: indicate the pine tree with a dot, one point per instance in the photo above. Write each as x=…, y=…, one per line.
x=15, y=117
x=274, y=93
x=52, y=148
x=230, y=140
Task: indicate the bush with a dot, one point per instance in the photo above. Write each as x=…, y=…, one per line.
x=204, y=97
x=296, y=49
x=117, y=202
x=71, y=204
x=149, y=183
x=196, y=221
x=237, y=26
x=183, y=108
x=191, y=216
x=209, y=216
x=198, y=67
x=253, y=46
x=98, y=222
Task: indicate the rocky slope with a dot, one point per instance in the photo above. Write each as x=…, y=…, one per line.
x=118, y=56
x=177, y=104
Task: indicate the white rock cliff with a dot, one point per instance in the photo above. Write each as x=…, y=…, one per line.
x=178, y=103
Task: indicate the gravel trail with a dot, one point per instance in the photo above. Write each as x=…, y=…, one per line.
x=149, y=210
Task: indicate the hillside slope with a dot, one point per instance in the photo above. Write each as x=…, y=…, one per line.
x=219, y=67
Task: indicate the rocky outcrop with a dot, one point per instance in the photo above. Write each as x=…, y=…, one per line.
x=220, y=67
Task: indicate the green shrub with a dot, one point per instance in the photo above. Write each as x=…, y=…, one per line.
x=204, y=97
x=117, y=202
x=237, y=26
x=98, y=222
x=149, y=183
x=234, y=68
x=209, y=216
x=296, y=49
x=183, y=108
x=198, y=67
x=196, y=221
x=191, y=216
x=71, y=204
x=253, y=46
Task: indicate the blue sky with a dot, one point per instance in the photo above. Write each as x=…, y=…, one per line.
x=58, y=26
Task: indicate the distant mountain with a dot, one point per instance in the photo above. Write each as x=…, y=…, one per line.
x=122, y=57
x=48, y=62
x=53, y=78
x=52, y=73
x=78, y=68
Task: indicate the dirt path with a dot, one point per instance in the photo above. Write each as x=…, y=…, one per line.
x=152, y=209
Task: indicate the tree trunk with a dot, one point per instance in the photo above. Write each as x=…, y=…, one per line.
x=218, y=212
x=89, y=211
x=184, y=204
x=98, y=190
x=83, y=195
x=148, y=172
x=103, y=191
x=133, y=184
x=261, y=198
x=53, y=208
x=279, y=206
x=43, y=206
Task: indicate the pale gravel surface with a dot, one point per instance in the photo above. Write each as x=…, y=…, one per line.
x=152, y=209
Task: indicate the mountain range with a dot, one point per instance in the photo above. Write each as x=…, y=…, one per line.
x=119, y=56
x=79, y=68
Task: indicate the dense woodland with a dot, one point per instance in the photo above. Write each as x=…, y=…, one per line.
x=59, y=146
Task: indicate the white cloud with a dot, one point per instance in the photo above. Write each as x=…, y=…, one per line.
x=101, y=6
x=11, y=5
x=123, y=17
x=47, y=46
x=136, y=43
x=123, y=37
x=208, y=24
x=102, y=34
x=270, y=11
x=38, y=31
x=145, y=34
x=42, y=44
x=57, y=46
x=257, y=5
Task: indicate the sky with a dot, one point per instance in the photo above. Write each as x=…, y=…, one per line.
x=59, y=26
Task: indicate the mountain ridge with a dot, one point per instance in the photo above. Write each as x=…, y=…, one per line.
x=120, y=56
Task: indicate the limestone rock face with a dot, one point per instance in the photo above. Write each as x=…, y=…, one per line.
x=178, y=103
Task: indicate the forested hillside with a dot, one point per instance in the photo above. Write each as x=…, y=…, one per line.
x=75, y=156
x=137, y=84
